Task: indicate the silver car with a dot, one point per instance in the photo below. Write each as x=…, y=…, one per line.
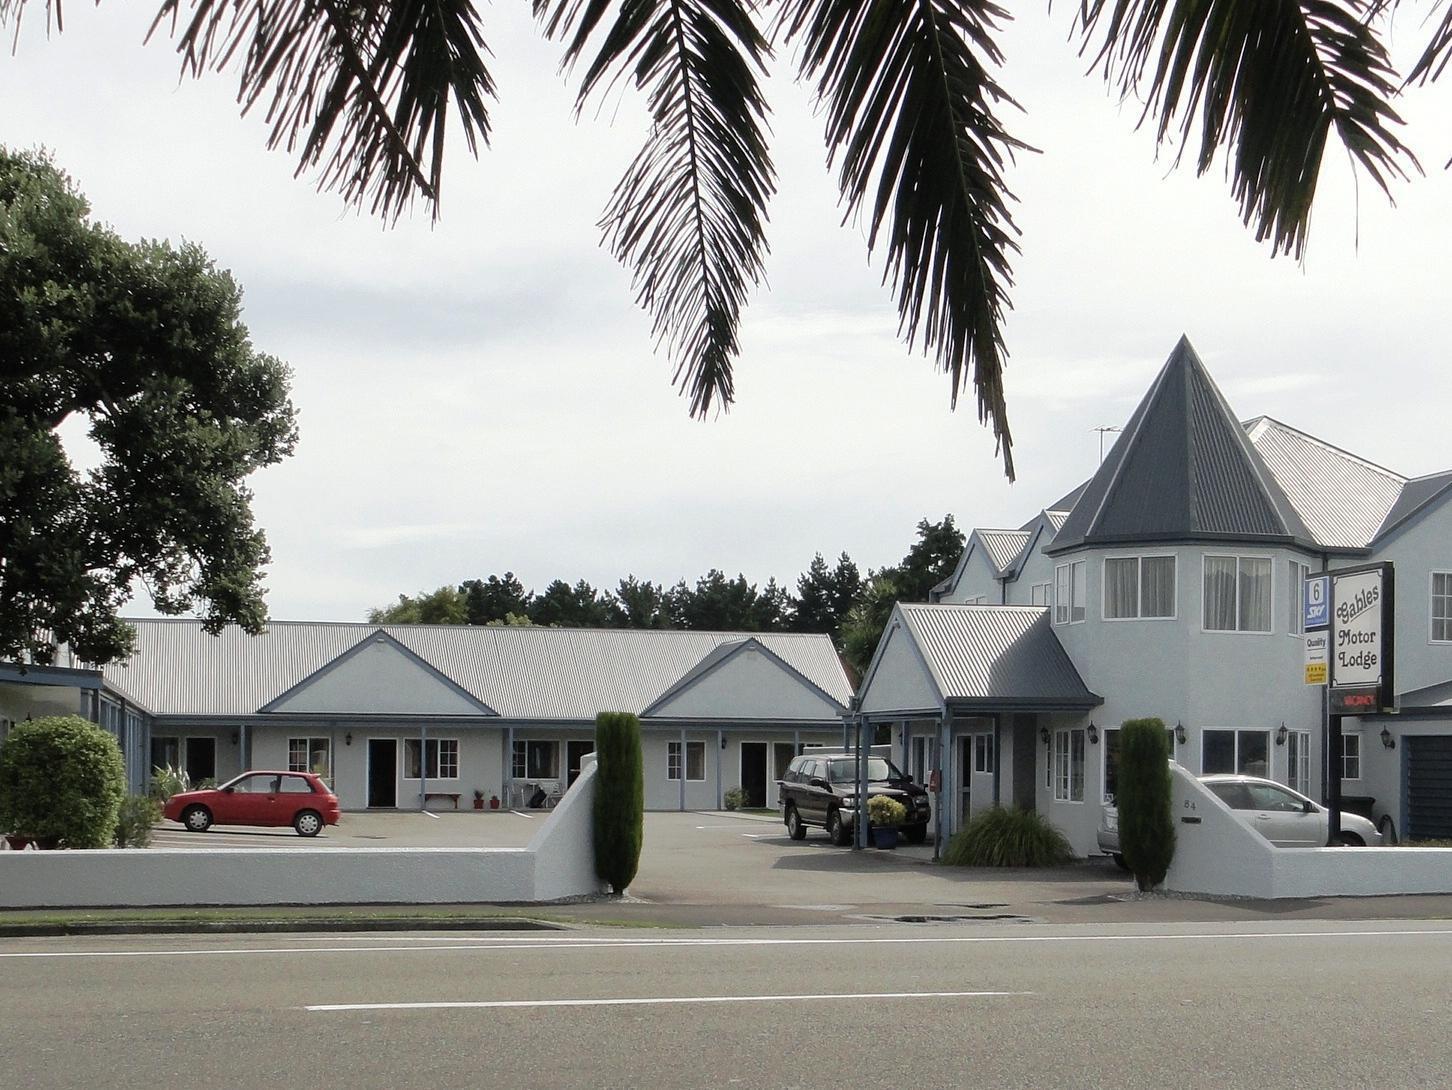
x=1284, y=817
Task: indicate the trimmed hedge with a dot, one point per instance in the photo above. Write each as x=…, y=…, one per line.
x=61, y=782
x=619, y=827
x=1008, y=837
x=1146, y=826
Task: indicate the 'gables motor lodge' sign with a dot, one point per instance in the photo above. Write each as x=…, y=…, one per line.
x=1361, y=645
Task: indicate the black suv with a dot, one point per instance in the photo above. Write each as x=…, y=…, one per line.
x=821, y=789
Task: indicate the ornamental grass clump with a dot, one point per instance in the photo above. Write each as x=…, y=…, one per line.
x=619, y=799
x=135, y=819
x=1146, y=826
x=1008, y=837
x=61, y=782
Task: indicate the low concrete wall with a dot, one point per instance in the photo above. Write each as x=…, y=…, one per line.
x=1219, y=855
x=559, y=863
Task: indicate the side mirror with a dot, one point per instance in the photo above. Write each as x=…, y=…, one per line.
x=817, y=781
x=1308, y=807
x=228, y=790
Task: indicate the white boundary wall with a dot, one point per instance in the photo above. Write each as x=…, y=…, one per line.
x=1219, y=855
x=558, y=863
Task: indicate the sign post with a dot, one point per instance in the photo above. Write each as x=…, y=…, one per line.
x=1353, y=653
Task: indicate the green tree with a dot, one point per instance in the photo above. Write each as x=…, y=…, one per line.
x=1146, y=823
x=862, y=627
x=443, y=606
x=718, y=604
x=619, y=826
x=824, y=595
x=145, y=342
x=914, y=115
x=580, y=606
x=931, y=559
x=641, y=604
x=494, y=599
x=61, y=781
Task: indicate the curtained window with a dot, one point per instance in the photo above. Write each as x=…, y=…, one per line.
x=1237, y=594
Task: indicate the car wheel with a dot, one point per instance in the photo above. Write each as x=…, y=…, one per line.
x=1119, y=862
x=916, y=834
x=1388, y=830
x=197, y=819
x=308, y=823
x=795, y=829
x=1350, y=840
x=837, y=829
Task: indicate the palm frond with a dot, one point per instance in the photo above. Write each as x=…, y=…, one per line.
x=1269, y=80
x=911, y=103
x=688, y=216
x=1434, y=59
x=364, y=86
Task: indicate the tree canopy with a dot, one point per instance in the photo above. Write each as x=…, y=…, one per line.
x=916, y=125
x=145, y=342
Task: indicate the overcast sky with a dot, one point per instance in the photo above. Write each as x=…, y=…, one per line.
x=483, y=394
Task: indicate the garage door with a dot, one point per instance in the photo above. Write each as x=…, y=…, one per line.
x=1429, y=787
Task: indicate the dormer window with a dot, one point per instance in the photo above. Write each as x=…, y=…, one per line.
x=1139, y=586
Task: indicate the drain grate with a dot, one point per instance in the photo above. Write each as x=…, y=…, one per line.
x=923, y=918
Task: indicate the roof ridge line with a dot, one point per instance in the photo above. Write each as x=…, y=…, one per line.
x=1367, y=462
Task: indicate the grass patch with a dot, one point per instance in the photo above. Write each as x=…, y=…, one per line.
x=1431, y=842
x=1008, y=837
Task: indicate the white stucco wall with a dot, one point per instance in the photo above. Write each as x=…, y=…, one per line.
x=558, y=863
x=978, y=577
x=378, y=679
x=747, y=685
x=1219, y=855
x=1423, y=547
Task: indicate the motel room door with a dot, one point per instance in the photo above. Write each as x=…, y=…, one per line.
x=382, y=772
x=753, y=773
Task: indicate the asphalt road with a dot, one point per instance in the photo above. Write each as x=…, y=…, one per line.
x=1287, y=1004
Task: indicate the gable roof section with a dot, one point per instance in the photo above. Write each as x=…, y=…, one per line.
x=1343, y=500
x=744, y=679
x=1183, y=469
x=1003, y=547
x=1417, y=495
x=990, y=657
x=519, y=672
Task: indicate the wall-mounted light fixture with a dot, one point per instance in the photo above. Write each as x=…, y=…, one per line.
x=1387, y=739
x=1180, y=735
x=234, y=737
x=1281, y=734
x=1093, y=733
x=1044, y=735
x=723, y=741
x=348, y=738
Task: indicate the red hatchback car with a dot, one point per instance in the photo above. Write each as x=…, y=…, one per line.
x=299, y=799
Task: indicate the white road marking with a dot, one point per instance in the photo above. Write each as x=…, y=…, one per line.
x=654, y=1001
x=580, y=943
x=426, y=813
x=521, y=813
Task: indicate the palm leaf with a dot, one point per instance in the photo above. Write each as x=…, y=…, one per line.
x=910, y=102
x=363, y=87
x=688, y=216
x=1268, y=78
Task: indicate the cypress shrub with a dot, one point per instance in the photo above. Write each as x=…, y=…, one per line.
x=619, y=798
x=61, y=781
x=1146, y=827
x=1008, y=837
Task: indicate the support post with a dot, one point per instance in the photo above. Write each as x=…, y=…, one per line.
x=423, y=764
x=682, y=771
x=859, y=827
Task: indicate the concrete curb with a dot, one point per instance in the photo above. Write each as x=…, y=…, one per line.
x=266, y=926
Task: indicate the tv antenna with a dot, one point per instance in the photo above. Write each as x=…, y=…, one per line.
x=1102, y=429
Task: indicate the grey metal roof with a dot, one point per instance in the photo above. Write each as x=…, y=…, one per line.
x=1182, y=469
x=1003, y=546
x=1005, y=655
x=1417, y=495
x=520, y=672
x=1056, y=519
x=1342, y=499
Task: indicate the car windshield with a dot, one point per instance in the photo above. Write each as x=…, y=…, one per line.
x=844, y=770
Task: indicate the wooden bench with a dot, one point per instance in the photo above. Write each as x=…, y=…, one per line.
x=452, y=796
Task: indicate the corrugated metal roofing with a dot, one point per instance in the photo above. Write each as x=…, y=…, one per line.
x=521, y=672
x=987, y=653
x=1343, y=500
x=1056, y=519
x=1003, y=546
x=1182, y=468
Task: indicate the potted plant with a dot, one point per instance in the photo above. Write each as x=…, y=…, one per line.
x=884, y=815
x=478, y=799
x=494, y=802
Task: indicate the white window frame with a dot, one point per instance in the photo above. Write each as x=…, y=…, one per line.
x=1352, y=753
x=673, y=761
x=1066, y=788
x=983, y=754
x=1235, y=761
x=1046, y=589
x=446, y=758
x=976, y=600
x=1081, y=585
x=311, y=746
x=1432, y=597
x=1139, y=614
x=1298, y=761
x=1237, y=630
x=1297, y=598
x=519, y=759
